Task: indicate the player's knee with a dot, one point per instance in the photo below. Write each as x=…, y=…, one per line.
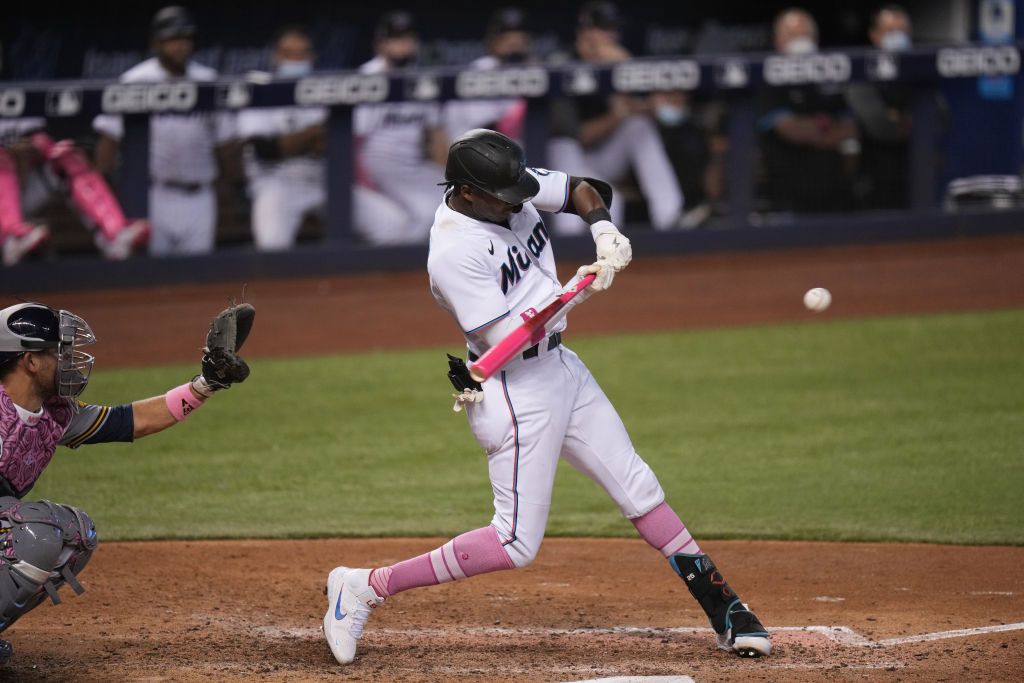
x=523, y=551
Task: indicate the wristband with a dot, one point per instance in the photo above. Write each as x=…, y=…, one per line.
x=596, y=215
x=181, y=401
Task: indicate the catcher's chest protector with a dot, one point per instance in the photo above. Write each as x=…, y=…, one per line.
x=25, y=450
x=43, y=545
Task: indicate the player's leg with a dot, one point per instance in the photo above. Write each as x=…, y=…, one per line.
x=47, y=545
x=636, y=144
x=377, y=219
x=19, y=238
x=116, y=236
x=192, y=226
x=415, y=189
x=520, y=424
x=275, y=219
x=566, y=154
x=598, y=446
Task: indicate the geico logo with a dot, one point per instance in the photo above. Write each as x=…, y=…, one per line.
x=528, y=82
x=151, y=97
x=12, y=102
x=341, y=89
x=807, y=69
x=978, y=61
x=676, y=75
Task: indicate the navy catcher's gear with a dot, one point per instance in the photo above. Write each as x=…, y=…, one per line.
x=35, y=327
x=43, y=545
x=492, y=163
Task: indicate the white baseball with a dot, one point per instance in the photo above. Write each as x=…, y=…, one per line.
x=817, y=299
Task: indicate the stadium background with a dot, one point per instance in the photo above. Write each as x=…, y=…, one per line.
x=842, y=454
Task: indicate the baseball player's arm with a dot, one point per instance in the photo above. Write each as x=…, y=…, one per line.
x=106, y=154
x=437, y=145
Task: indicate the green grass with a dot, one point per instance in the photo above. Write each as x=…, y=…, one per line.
x=887, y=429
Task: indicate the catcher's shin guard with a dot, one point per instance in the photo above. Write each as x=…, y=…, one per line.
x=737, y=627
x=43, y=545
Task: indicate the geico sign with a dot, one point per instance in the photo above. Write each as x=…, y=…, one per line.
x=12, y=102
x=681, y=74
x=978, y=61
x=789, y=70
x=526, y=82
x=351, y=89
x=135, y=98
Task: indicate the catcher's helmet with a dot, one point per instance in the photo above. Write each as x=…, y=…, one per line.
x=172, y=22
x=492, y=163
x=35, y=327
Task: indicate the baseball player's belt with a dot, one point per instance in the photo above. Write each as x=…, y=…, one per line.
x=178, y=186
x=532, y=352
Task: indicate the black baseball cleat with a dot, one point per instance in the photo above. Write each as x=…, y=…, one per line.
x=6, y=652
x=737, y=627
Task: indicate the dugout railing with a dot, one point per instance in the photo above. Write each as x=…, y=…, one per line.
x=734, y=78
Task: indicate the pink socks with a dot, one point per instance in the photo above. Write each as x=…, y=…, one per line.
x=662, y=529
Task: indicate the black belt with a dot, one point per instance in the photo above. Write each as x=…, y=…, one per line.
x=554, y=341
x=190, y=188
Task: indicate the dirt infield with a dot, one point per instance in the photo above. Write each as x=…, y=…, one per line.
x=197, y=611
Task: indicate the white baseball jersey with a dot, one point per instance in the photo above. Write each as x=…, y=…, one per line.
x=461, y=116
x=181, y=146
x=544, y=405
x=481, y=272
x=281, y=121
x=393, y=130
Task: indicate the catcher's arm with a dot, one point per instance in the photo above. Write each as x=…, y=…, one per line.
x=221, y=367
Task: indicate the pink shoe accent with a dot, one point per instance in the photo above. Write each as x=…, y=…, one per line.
x=662, y=529
x=474, y=552
x=11, y=223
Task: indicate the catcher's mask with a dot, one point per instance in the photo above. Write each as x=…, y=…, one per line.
x=35, y=327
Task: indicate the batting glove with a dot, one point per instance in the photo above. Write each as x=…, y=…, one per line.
x=612, y=245
x=605, y=275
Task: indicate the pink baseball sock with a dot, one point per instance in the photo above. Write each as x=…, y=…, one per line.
x=662, y=528
x=474, y=552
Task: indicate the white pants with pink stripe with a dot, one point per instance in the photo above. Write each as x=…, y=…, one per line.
x=536, y=411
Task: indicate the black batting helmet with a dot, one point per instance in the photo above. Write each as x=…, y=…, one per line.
x=492, y=163
x=172, y=22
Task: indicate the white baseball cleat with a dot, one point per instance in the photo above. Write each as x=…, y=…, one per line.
x=120, y=247
x=350, y=599
x=17, y=247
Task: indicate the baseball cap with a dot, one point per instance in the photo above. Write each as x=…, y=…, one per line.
x=395, y=25
x=599, y=14
x=172, y=22
x=507, y=19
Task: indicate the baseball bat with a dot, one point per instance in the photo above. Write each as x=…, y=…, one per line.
x=523, y=336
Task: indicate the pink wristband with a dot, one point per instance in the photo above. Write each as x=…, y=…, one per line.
x=181, y=401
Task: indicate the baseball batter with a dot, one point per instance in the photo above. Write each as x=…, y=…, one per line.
x=43, y=370
x=183, y=148
x=491, y=265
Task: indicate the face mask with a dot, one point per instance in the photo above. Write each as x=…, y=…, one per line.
x=294, y=68
x=800, y=46
x=671, y=115
x=895, y=41
x=514, y=58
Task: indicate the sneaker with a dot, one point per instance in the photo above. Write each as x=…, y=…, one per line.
x=737, y=627
x=130, y=237
x=17, y=247
x=350, y=599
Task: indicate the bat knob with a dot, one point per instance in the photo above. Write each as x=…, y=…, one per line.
x=476, y=375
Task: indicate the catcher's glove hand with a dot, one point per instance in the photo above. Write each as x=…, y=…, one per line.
x=222, y=367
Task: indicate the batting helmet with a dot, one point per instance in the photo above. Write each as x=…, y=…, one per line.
x=172, y=22
x=35, y=327
x=493, y=163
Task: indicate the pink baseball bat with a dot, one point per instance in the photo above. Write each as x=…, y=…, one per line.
x=524, y=335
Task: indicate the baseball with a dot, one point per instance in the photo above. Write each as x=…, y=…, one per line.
x=817, y=299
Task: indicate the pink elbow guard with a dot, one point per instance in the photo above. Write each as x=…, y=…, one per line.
x=181, y=401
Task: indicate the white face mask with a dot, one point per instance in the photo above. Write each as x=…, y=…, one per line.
x=800, y=46
x=895, y=41
x=294, y=68
x=671, y=115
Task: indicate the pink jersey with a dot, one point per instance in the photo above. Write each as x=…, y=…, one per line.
x=26, y=448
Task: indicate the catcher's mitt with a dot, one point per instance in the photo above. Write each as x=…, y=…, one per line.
x=221, y=365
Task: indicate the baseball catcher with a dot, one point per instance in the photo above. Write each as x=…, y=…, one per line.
x=43, y=370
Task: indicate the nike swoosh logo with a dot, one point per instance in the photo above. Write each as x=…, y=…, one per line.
x=338, y=614
x=491, y=250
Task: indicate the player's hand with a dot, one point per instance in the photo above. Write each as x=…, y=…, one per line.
x=222, y=367
x=612, y=245
x=467, y=396
x=605, y=275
